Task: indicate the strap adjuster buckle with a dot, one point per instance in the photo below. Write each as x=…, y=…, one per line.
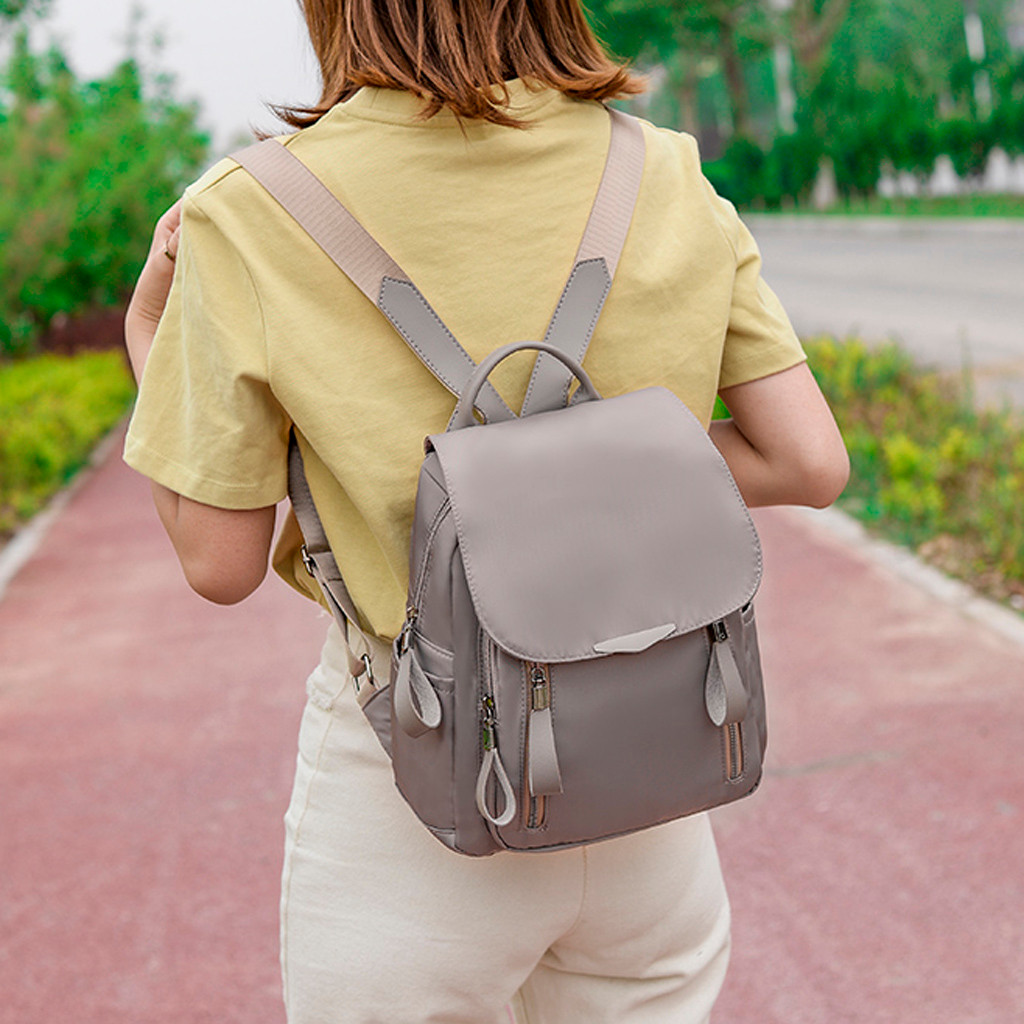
x=307, y=561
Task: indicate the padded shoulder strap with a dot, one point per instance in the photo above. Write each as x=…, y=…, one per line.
x=597, y=258
x=355, y=252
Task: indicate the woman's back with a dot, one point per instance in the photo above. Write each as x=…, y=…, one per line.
x=261, y=334
x=486, y=220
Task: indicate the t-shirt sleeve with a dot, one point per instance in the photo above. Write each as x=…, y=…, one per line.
x=206, y=423
x=759, y=340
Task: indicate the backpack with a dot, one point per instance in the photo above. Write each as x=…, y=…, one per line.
x=579, y=658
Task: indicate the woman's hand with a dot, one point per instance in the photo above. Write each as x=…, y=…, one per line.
x=151, y=290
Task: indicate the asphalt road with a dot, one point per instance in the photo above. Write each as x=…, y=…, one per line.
x=952, y=292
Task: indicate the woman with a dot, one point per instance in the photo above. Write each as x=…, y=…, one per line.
x=467, y=138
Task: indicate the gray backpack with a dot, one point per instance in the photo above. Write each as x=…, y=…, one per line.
x=579, y=659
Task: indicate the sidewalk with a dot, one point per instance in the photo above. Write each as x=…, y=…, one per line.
x=147, y=740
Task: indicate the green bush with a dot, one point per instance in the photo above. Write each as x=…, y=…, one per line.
x=739, y=174
x=86, y=168
x=753, y=178
x=927, y=468
x=53, y=409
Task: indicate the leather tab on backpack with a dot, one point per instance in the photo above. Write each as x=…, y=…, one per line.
x=417, y=706
x=724, y=693
x=634, y=643
x=543, y=774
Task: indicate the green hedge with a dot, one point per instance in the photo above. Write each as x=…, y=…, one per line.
x=783, y=175
x=928, y=469
x=53, y=410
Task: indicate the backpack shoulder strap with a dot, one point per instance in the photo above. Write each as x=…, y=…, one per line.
x=355, y=252
x=597, y=258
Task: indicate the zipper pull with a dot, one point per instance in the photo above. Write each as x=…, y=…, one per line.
x=540, y=689
x=407, y=628
x=489, y=720
x=543, y=775
x=492, y=765
x=725, y=696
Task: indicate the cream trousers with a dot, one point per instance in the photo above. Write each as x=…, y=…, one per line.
x=381, y=923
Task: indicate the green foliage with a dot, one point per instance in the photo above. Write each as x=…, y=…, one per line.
x=53, y=409
x=971, y=205
x=740, y=175
x=22, y=10
x=878, y=83
x=781, y=177
x=927, y=468
x=685, y=35
x=86, y=168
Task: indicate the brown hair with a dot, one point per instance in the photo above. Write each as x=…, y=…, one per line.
x=456, y=54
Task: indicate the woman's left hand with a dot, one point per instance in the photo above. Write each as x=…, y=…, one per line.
x=151, y=290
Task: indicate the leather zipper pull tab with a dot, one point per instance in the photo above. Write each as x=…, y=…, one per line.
x=542, y=772
x=725, y=696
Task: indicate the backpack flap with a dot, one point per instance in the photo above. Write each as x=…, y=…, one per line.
x=599, y=528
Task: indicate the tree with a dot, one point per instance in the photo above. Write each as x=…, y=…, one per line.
x=811, y=25
x=681, y=35
x=85, y=170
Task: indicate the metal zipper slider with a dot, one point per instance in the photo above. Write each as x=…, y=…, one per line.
x=488, y=722
x=540, y=688
x=407, y=627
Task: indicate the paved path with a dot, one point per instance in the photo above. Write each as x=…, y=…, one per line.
x=951, y=292
x=146, y=744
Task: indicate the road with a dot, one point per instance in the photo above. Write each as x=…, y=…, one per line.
x=952, y=292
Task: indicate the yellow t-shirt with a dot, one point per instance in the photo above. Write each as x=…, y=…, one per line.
x=262, y=332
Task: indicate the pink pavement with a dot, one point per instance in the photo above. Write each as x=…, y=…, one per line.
x=147, y=741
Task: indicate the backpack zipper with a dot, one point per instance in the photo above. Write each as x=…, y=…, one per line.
x=412, y=609
x=733, y=752
x=732, y=734
x=539, y=684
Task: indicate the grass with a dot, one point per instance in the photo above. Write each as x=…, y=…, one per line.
x=53, y=411
x=928, y=469
x=950, y=206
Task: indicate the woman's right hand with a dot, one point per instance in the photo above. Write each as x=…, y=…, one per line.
x=151, y=290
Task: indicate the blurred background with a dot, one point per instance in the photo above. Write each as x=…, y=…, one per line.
x=875, y=147
x=876, y=150
x=801, y=102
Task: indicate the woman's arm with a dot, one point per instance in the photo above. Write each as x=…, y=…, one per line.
x=782, y=443
x=224, y=553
